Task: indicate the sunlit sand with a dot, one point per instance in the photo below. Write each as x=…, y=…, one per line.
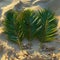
x=8, y=46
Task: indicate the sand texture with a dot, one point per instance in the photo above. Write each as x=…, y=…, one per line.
x=11, y=51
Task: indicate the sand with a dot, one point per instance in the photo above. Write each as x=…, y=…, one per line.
x=10, y=50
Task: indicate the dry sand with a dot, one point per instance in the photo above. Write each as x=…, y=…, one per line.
x=10, y=51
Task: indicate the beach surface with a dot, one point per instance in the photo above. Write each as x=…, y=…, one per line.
x=10, y=50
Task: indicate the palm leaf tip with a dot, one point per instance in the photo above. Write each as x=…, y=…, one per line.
x=48, y=28
x=12, y=26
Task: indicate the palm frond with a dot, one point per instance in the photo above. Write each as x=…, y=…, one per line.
x=48, y=29
x=13, y=27
x=29, y=24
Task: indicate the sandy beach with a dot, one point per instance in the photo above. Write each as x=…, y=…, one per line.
x=11, y=51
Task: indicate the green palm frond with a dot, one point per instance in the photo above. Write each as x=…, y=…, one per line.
x=48, y=26
x=29, y=24
x=13, y=27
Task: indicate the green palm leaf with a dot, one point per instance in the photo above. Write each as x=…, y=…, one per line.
x=48, y=29
x=29, y=24
x=13, y=27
